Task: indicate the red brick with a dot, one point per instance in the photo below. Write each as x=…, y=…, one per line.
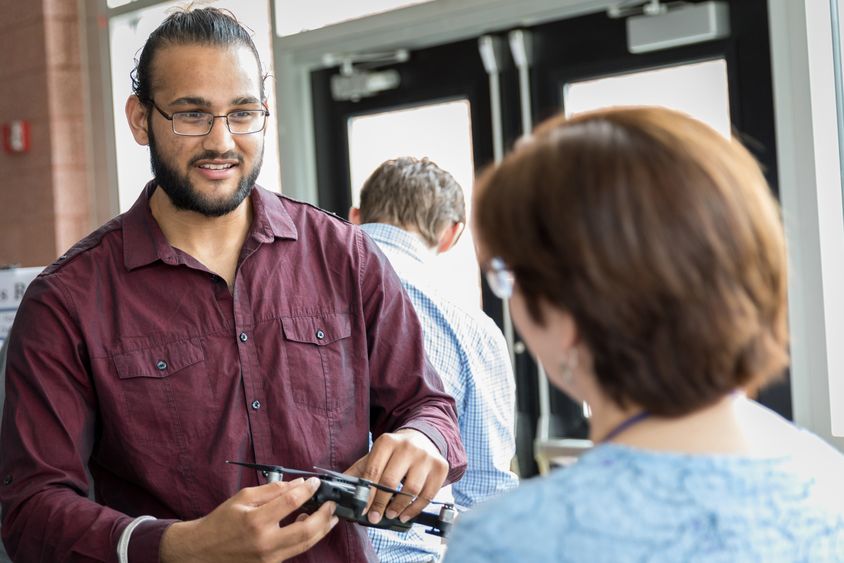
x=24, y=97
x=23, y=48
x=45, y=204
x=71, y=193
x=65, y=93
x=61, y=8
x=29, y=233
x=68, y=142
x=69, y=230
x=62, y=43
x=17, y=13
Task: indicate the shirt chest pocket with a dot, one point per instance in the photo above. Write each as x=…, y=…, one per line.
x=156, y=383
x=161, y=361
x=319, y=359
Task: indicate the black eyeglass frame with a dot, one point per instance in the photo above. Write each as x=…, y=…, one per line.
x=170, y=118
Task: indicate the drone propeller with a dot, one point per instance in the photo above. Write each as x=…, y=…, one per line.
x=275, y=468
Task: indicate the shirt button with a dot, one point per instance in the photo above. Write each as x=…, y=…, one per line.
x=161, y=365
x=320, y=334
x=243, y=337
x=7, y=480
x=256, y=404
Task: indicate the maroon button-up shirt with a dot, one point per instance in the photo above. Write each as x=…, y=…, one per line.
x=130, y=357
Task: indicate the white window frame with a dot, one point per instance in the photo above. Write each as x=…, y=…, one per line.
x=809, y=164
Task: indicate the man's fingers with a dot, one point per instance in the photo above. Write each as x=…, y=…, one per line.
x=306, y=531
x=296, y=494
x=371, y=466
x=413, y=484
x=377, y=459
x=406, y=456
x=432, y=478
x=400, y=473
x=262, y=494
x=357, y=468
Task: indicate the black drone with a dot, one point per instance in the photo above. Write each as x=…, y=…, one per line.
x=351, y=495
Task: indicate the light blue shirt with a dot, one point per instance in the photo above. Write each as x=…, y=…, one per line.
x=469, y=352
x=620, y=504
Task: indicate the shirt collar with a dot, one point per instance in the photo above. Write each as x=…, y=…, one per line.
x=398, y=239
x=144, y=243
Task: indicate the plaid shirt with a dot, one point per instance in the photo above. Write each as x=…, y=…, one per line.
x=470, y=354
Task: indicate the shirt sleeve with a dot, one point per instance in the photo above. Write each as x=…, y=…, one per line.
x=405, y=390
x=46, y=439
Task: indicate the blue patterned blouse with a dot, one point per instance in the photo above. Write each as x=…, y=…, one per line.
x=620, y=504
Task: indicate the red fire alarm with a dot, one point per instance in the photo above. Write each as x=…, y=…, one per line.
x=16, y=136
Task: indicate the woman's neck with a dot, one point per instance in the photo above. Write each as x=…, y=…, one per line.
x=725, y=427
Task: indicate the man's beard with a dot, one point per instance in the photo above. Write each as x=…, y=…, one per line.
x=181, y=191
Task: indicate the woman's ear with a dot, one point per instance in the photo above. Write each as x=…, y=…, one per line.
x=137, y=114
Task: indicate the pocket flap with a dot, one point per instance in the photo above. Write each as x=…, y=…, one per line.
x=160, y=361
x=317, y=330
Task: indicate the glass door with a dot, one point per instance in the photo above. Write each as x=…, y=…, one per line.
x=437, y=108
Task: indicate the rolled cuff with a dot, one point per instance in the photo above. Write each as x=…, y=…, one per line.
x=145, y=543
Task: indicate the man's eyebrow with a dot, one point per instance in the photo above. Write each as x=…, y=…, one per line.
x=190, y=101
x=243, y=100
x=199, y=101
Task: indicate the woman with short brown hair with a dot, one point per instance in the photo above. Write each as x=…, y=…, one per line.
x=644, y=259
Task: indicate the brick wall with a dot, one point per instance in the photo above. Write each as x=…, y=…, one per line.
x=44, y=194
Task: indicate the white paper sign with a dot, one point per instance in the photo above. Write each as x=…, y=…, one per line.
x=13, y=284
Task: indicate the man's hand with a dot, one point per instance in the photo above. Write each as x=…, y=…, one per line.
x=246, y=527
x=408, y=458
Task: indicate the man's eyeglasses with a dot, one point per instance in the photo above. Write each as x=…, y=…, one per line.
x=500, y=278
x=199, y=123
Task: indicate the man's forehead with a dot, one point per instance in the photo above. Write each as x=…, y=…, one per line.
x=202, y=71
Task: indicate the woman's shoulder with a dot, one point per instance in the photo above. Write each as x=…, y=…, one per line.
x=515, y=525
x=622, y=501
x=535, y=521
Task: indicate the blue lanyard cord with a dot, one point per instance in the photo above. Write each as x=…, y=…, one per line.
x=624, y=425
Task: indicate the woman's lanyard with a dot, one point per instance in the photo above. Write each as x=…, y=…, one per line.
x=624, y=425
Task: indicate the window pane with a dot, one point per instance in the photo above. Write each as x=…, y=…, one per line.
x=295, y=16
x=443, y=133
x=127, y=35
x=699, y=89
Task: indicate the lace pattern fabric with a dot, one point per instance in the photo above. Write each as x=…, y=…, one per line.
x=623, y=504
